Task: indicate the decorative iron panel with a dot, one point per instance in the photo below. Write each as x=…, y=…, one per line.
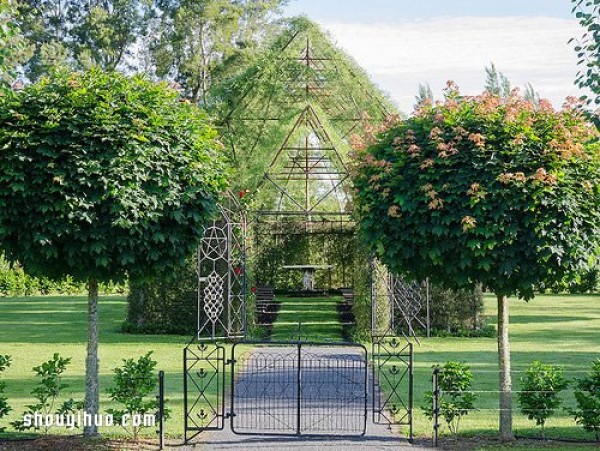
x=393, y=382
x=203, y=387
x=222, y=275
x=299, y=388
x=398, y=307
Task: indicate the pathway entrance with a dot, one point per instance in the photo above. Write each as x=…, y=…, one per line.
x=320, y=392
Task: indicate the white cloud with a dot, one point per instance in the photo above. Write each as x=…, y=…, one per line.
x=526, y=49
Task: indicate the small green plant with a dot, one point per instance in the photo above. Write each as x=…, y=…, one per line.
x=47, y=393
x=587, y=395
x=540, y=392
x=455, y=400
x=135, y=384
x=4, y=407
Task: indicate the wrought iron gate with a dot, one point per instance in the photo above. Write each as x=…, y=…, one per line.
x=392, y=360
x=299, y=388
x=203, y=388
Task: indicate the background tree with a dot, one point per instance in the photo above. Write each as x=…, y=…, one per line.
x=588, y=51
x=425, y=94
x=197, y=37
x=531, y=95
x=483, y=189
x=104, y=32
x=81, y=34
x=12, y=45
x=103, y=176
x=496, y=82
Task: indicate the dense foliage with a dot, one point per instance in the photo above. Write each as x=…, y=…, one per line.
x=16, y=282
x=103, y=175
x=167, y=305
x=457, y=312
x=539, y=396
x=480, y=189
x=79, y=35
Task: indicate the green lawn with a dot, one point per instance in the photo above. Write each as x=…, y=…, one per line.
x=563, y=330
x=559, y=330
x=318, y=317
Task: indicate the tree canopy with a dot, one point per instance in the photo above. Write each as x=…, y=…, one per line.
x=480, y=189
x=103, y=175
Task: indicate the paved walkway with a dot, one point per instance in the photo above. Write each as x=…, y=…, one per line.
x=333, y=402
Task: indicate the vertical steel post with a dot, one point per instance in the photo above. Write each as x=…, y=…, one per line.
x=185, y=397
x=373, y=297
x=436, y=405
x=428, y=300
x=161, y=409
x=410, y=391
x=299, y=391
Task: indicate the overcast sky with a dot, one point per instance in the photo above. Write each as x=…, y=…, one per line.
x=402, y=43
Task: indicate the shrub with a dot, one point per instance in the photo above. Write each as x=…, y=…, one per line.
x=539, y=395
x=457, y=312
x=48, y=392
x=4, y=407
x=587, y=395
x=455, y=400
x=134, y=383
x=166, y=305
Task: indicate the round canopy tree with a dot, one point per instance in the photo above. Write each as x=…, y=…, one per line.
x=483, y=190
x=103, y=176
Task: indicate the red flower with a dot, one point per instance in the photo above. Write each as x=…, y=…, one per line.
x=237, y=271
x=253, y=289
x=241, y=193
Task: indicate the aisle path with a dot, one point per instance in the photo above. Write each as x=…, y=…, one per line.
x=333, y=397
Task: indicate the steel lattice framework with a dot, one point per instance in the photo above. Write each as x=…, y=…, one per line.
x=221, y=273
x=398, y=307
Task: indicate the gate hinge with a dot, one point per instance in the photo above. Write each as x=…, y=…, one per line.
x=230, y=361
x=230, y=415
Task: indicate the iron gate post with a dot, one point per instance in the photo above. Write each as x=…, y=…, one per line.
x=185, y=403
x=161, y=409
x=410, y=391
x=436, y=404
x=299, y=380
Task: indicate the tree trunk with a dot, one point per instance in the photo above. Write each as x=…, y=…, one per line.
x=506, y=433
x=91, y=403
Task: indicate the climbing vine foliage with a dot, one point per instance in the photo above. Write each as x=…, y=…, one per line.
x=482, y=189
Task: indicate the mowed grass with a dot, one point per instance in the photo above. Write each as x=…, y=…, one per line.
x=561, y=330
x=314, y=319
x=32, y=329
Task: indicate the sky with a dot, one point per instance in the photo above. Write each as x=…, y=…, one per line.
x=402, y=43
